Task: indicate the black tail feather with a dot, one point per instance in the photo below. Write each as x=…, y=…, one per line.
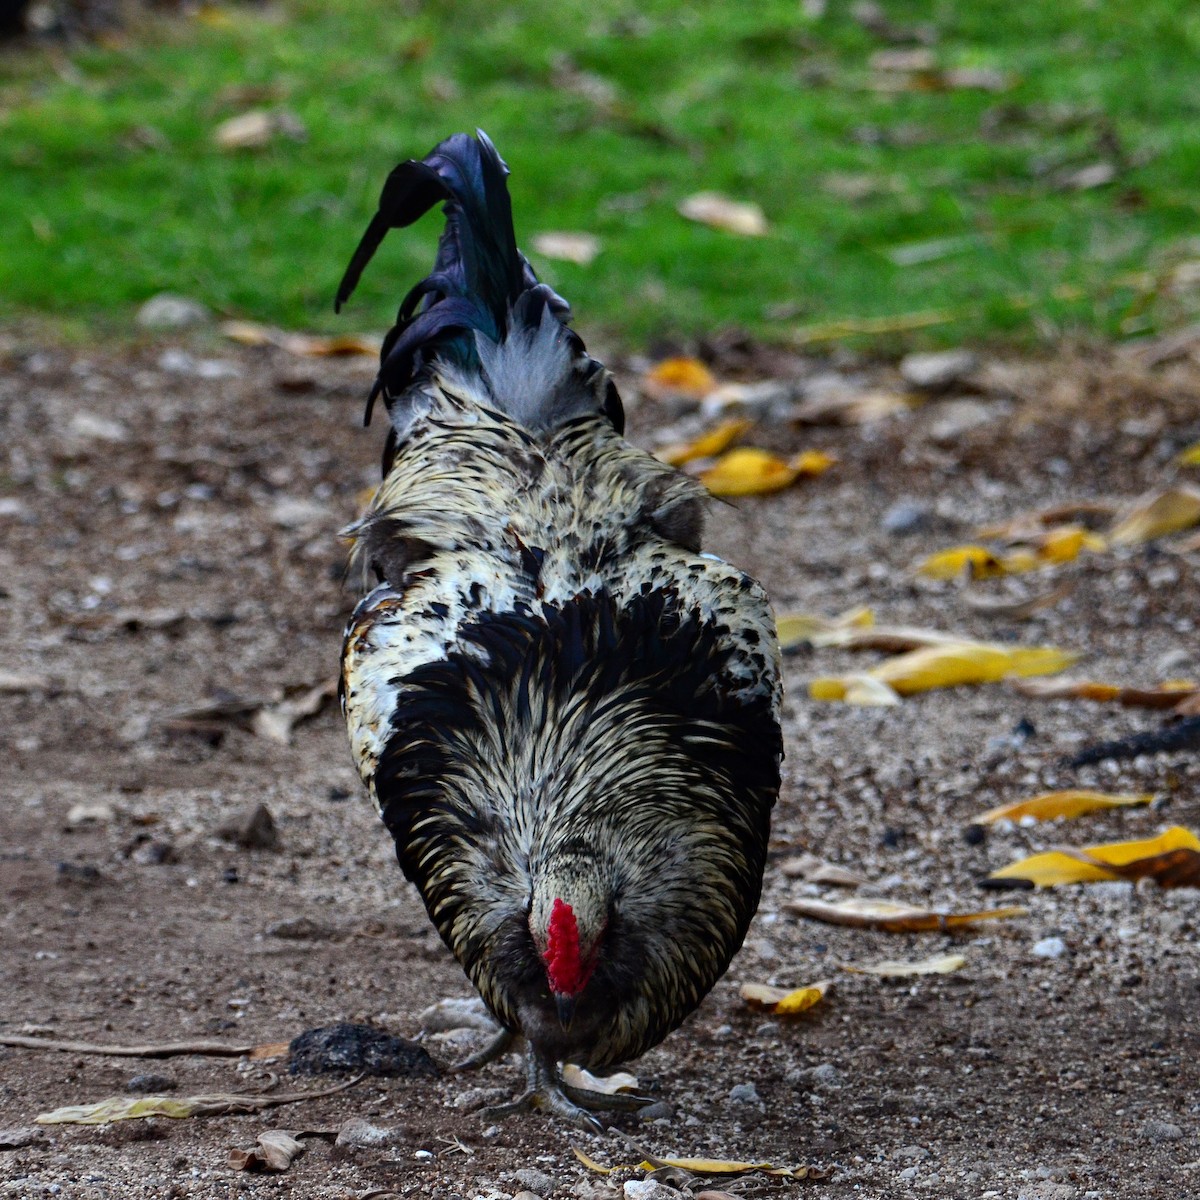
x=479, y=276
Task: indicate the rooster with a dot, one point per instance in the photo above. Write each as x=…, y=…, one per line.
x=565, y=713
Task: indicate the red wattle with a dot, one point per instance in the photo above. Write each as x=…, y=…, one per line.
x=564, y=967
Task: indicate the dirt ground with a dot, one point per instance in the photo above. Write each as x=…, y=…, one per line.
x=168, y=518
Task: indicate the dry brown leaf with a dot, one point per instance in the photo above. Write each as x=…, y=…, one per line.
x=580, y=248
x=1172, y=859
x=303, y=345
x=852, y=408
x=679, y=377
x=129, y=1108
x=1168, y=695
x=275, y=1151
x=1014, y=609
x=890, y=917
x=1029, y=524
x=784, y=1002
x=16, y=682
x=708, y=444
x=812, y=869
x=938, y=964
x=720, y=212
x=892, y=639
x=1171, y=511
x=1052, y=806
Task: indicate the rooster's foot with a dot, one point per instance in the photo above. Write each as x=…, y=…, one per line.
x=496, y=1048
x=547, y=1093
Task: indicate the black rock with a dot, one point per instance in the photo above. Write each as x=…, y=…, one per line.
x=356, y=1050
x=150, y=1083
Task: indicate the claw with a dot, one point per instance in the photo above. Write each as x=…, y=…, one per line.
x=546, y=1092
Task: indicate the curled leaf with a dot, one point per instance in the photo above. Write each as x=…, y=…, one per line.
x=783, y=1002
x=938, y=964
x=1172, y=859
x=275, y=1151
x=606, y=1085
x=894, y=918
x=1167, y=512
x=1051, y=806
x=707, y=445
x=701, y=1166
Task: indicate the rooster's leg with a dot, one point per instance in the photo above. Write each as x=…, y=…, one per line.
x=499, y=1045
x=546, y=1091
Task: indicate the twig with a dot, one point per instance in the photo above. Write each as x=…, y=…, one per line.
x=162, y=1050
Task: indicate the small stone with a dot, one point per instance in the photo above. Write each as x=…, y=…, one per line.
x=910, y=1152
x=906, y=516
x=14, y=1138
x=648, y=1189
x=1051, y=947
x=150, y=1083
x=358, y=1134
x=253, y=829
x=89, y=814
x=1161, y=1131
x=827, y=1075
x=745, y=1093
x=960, y=417
x=88, y=427
x=937, y=371
x=295, y=512
x=154, y=853
x=526, y=1194
x=476, y=1098
x=169, y=311
x=87, y=874
x=660, y=1110
x=533, y=1180
x=909, y=1173
x=466, y=1012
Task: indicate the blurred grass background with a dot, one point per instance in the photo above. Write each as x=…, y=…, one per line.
x=1027, y=172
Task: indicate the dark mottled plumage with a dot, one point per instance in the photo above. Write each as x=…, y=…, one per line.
x=551, y=694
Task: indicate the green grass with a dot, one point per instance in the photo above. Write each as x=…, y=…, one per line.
x=111, y=188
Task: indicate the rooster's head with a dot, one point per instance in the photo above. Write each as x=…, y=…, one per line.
x=567, y=924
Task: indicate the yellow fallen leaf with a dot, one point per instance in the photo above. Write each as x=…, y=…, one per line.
x=1067, y=542
x=860, y=913
x=1190, y=457
x=251, y=333
x=1169, y=694
x=967, y=662
x=1168, y=512
x=720, y=212
x=783, y=1002
x=939, y=964
x=1050, y=806
x=937, y=666
x=707, y=445
x=701, y=1166
x=1172, y=858
x=794, y=628
x=748, y=472
x=980, y=562
x=679, y=377
x=1031, y=524
x=810, y=463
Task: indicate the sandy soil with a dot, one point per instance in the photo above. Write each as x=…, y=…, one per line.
x=169, y=536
